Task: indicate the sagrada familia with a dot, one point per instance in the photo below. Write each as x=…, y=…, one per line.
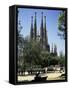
x=42, y=37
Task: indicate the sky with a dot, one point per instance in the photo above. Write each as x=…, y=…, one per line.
x=24, y=16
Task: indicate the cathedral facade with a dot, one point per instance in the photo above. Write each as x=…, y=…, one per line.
x=42, y=36
x=43, y=32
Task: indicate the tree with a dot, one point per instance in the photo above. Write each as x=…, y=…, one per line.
x=61, y=59
x=61, y=24
x=31, y=53
x=44, y=58
x=20, y=45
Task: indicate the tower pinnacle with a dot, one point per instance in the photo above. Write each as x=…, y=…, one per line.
x=31, y=33
x=35, y=27
x=45, y=32
x=55, y=49
x=41, y=30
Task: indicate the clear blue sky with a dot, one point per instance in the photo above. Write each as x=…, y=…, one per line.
x=51, y=23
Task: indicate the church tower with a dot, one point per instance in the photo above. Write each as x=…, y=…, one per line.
x=31, y=31
x=41, y=30
x=43, y=34
x=55, y=50
x=45, y=37
x=35, y=28
x=52, y=49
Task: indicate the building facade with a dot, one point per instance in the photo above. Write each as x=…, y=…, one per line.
x=41, y=36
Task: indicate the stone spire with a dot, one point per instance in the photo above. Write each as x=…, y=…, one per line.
x=52, y=48
x=31, y=33
x=35, y=27
x=41, y=29
x=47, y=47
x=45, y=32
x=55, y=50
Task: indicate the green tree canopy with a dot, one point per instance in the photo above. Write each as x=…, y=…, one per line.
x=61, y=24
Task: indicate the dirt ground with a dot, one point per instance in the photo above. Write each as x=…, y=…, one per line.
x=51, y=76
